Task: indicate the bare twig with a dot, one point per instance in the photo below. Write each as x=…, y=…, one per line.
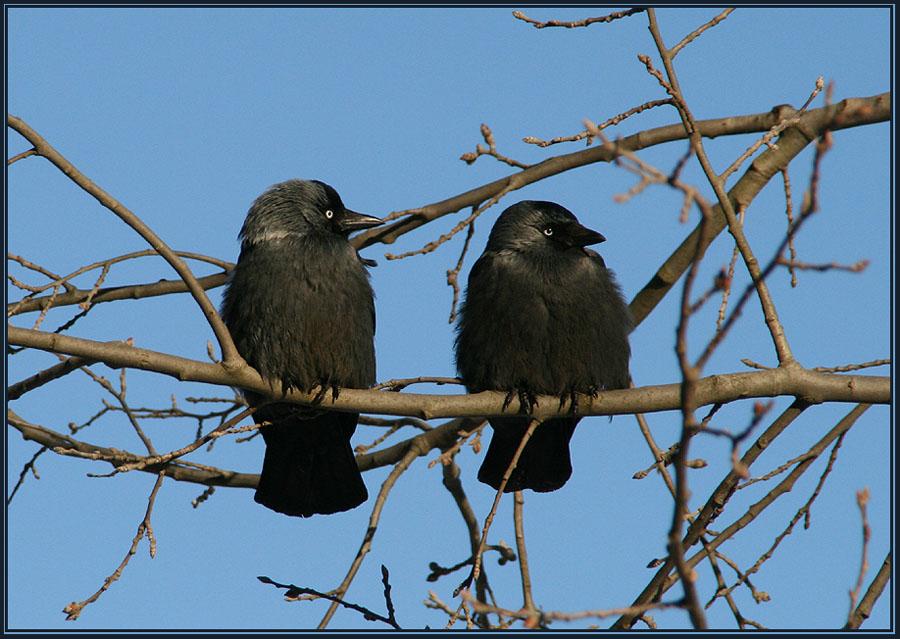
x=453, y=274
x=29, y=465
x=849, y=113
x=590, y=135
x=476, y=568
x=39, y=379
x=872, y=593
x=120, y=397
x=789, y=212
x=431, y=246
x=488, y=135
x=783, y=488
x=400, y=384
x=708, y=513
x=23, y=154
x=294, y=593
x=53, y=277
x=792, y=264
x=578, y=23
x=852, y=367
x=528, y=600
x=415, y=450
x=788, y=117
x=563, y=616
x=696, y=32
x=802, y=513
x=74, y=609
x=179, y=470
x=862, y=500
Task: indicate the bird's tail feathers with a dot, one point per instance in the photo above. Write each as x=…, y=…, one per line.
x=544, y=464
x=309, y=467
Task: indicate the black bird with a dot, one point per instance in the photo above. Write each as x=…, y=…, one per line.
x=542, y=316
x=301, y=311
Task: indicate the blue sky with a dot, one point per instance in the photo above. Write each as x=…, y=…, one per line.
x=186, y=115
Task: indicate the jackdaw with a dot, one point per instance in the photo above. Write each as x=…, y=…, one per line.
x=542, y=315
x=301, y=311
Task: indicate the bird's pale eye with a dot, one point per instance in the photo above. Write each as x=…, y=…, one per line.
x=548, y=231
x=329, y=214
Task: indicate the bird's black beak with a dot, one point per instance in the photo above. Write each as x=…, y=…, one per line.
x=578, y=235
x=353, y=221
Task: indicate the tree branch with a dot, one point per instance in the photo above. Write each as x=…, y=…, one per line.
x=53, y=440
x=811, y=124
x=43, y=148
x=783, y=381
x=849, y=113
x=115, y=293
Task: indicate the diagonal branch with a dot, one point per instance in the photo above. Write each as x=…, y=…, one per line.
x=849, y=113
x=43, y=148
x=768, y=164
x=662, y=580
x=862, y=611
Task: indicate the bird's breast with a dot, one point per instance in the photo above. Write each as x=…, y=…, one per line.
x=303, y=317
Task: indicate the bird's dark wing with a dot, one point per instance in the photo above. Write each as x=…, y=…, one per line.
x=301, y=311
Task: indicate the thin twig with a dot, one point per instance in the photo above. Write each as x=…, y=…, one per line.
x=563, y=616
x=872, y=594
x=29, y=465
x=488, y=136
x=792, y=264
x=120, y=397
x=400, y=384
x=366, y=545
x=47, y=375
x=578, y=23
x=476, y=568
x=74, y=295
x=691, y=36
x=431, y=246
x=295, y=593
x=74, y=609
x=528, y=600
x=862, y=500
x=453, y=274
x=590, y=135
x=852, y=367
x=802, y=513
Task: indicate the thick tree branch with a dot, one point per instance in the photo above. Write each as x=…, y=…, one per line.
x=846, y=114
x=783, y=381
x=437, y=438
x=849, y=112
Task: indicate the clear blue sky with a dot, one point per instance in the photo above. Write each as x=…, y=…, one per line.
x=186, y=115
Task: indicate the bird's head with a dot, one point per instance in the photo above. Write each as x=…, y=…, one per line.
x=299, y=208
x=532, y=225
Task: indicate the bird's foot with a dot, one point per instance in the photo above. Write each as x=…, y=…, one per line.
x=573, y=401
x=527, y=400
x=323, y=389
